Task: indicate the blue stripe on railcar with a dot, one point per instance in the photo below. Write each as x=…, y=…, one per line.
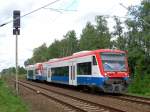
x=60, y=79
x=40, y=77
x=90, y=81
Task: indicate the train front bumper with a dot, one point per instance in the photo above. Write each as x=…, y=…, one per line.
x=115, y=85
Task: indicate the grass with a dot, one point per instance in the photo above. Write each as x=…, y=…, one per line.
x=9, y=102
x=140, y=95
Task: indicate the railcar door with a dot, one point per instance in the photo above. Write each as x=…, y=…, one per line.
x=73, y=74
x=49, y=74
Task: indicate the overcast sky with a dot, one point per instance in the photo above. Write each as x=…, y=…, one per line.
x=46, y=25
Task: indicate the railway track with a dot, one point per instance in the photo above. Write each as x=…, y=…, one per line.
x=134, y=99
x=73, y=104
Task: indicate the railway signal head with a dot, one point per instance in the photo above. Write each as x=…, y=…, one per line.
x=16, y=19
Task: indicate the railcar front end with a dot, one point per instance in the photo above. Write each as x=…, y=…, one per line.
x=36, y=72
x=114, y=68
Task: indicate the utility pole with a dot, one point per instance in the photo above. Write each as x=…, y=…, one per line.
x=17, y=87
x=16, y=31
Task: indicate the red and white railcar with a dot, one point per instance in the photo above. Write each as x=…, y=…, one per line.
x=105, y=69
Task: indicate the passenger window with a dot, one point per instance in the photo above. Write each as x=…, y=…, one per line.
x=60, y=71
x=84, y=68
x=94, y=60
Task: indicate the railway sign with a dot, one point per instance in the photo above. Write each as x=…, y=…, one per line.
x=16, y=31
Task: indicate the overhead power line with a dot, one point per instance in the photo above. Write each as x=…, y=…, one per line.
x=1, y=25
x=60, y=10
x=40, y=8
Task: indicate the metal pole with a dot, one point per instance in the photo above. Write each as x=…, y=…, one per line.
x=17, y=90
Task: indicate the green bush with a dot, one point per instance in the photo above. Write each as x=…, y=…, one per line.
x=140, y=85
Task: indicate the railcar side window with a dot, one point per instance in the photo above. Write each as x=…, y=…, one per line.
x=84, y=68
x=94, y=60
x=60, y=71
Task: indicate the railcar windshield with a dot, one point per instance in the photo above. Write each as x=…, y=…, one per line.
x=113, y=61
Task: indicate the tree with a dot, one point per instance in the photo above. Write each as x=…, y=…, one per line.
x=69, y=43
x=21, y=70
x=88, y=39
x=40, y=54
x=120, y=40
x=29, y=61
x=54, y=50
x=138, y=40
x=12, y=70
x=95, y=37
x=102, y=33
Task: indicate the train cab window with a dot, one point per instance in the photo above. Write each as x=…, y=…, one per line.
x=30, y=72
x=94, y=60
x=84, y=68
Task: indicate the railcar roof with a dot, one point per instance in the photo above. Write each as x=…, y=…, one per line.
x=81, y=54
